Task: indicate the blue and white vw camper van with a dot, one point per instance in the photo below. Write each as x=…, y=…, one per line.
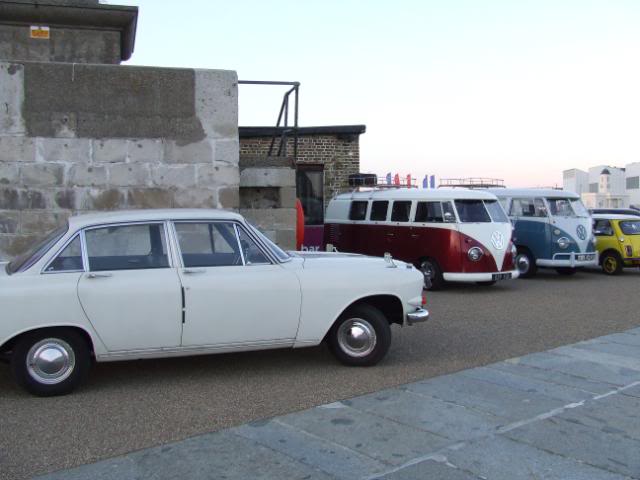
x=552, y=229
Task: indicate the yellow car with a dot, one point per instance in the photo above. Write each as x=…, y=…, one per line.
x=618, y=241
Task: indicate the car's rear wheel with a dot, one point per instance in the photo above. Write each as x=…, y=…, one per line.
x=50, y=362
x=432, y=273
x=611, y=263
x=361, y=336
x=525, y=263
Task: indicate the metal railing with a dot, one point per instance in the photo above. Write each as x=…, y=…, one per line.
x=472, y=182
x=282, y=128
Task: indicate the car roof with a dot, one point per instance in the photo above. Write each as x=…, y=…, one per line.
x=614, y=216
x=533, y=192
x=418, y=194
x=122, y=216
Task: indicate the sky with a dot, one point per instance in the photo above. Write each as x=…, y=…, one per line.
x=513, y=89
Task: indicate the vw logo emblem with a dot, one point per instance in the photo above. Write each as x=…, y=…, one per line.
x=582, y=232
x=497, y=239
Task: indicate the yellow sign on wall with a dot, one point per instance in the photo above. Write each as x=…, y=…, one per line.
x=39, y=32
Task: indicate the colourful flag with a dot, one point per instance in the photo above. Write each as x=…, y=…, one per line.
x=389, y=178
x=425, y=181
x=396, y=179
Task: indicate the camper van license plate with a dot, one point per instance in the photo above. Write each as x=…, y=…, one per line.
x=501, y=276
x=583, y=258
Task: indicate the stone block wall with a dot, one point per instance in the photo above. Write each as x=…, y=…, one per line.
x=80, y=138
x=268, y=197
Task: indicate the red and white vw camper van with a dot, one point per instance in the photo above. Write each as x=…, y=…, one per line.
x=452, y=235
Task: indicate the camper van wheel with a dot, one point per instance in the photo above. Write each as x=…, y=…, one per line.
x=432, y=274
x=566, y=270
x=525, y=263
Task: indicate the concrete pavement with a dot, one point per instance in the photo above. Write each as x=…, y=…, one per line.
x=568, y=413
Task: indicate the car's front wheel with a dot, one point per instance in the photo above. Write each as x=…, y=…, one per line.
x=361, y=336
x=50, y=362
x=611, y=263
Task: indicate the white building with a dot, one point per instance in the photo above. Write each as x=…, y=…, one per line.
x=604, y=186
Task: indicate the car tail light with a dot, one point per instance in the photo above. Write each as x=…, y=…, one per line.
x=424, y=299
x=628, y=250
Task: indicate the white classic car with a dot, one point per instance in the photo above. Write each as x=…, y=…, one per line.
x=159, y=283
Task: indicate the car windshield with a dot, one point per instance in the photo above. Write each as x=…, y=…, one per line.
x=275, y=250
x=561, y=207
x=630, y=227
x=472, y=211
x=496, y=211
x=35, y=253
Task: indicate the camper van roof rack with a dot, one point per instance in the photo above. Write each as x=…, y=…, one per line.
x=373, y=182
x=471, y=182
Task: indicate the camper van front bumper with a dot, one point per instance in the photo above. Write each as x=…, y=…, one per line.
x=570, y=259
x=480, y=277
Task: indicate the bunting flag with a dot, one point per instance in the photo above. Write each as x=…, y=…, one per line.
x=396, y=179
x=389, y=178
x=433, y=181
x=408, y=180
x=425, y=181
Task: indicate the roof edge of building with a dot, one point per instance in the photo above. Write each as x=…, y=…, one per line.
x=248, y=132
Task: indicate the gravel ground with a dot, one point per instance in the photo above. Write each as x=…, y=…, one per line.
x=132, y=405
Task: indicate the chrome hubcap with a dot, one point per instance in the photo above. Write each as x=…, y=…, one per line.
x=50, y=361
x=523, y=263
x=357, y=337
x=427, y=269
x=610, y=264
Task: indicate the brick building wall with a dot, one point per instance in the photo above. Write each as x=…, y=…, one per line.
x=336, y=149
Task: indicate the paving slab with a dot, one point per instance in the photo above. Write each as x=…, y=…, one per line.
x=454, y=422
x=528, y=385
x=501, y=401
x=377, y=437
x=593, y=446
x=567, y=414
x=502, y=458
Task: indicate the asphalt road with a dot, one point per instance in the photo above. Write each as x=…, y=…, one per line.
x=131, y=405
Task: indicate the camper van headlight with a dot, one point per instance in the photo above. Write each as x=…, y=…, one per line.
x=563, y=242
x=475, y=254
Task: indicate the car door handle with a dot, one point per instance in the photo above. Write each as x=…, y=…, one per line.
x=99, y=275
x=192, y=271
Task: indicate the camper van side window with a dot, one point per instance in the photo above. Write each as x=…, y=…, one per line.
x=430, y=212
x=400, y=211
x=448, y=213
x=358, y=210
x=379, y=210
x=528, y=207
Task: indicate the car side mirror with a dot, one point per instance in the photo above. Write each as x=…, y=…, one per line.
x=449, y=218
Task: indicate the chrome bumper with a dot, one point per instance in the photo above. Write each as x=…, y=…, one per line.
x=419, y=315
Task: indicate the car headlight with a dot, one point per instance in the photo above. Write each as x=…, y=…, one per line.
x=475, y=254
x=563, y=242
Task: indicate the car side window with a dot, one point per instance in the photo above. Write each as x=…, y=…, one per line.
x=400, y=211
x=69, y=259
x=429, y=212
x=127, y=247
x=250, y=250
x=602, y=228
x=208, y=244
x=358, y=210
x=379, y=210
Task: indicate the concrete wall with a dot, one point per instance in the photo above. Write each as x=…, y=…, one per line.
x=78, y=138
x=64, y=45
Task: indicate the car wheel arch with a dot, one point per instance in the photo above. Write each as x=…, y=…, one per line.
x=389, y=305
x=7, y=346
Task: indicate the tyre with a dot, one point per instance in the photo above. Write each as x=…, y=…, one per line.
x=525, y=263
x=611, y=263
x=487, y=283
x=566, y=271
x=361, y=336
x=50, y=362
x=432, y=273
